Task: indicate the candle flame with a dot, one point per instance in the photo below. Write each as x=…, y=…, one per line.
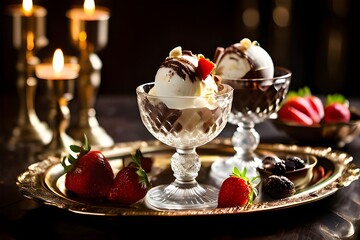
x=89, y=7
x=27, y=7
x=58, y=61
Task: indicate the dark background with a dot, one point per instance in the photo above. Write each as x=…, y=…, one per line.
x=319, y=43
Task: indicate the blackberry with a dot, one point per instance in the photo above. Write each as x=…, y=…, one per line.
x=268, y=159
x=290, y=165
x=268, y=162
x=278, y=187
x=279, y=168
x=293, y=163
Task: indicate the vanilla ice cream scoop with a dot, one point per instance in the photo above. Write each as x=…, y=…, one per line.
x=179, y=75
x=244, y=60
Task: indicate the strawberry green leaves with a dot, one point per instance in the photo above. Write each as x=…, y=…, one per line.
x=131, y=182
x=145, y=162
x=137, y=162
x=80, y=150
x=336, y=98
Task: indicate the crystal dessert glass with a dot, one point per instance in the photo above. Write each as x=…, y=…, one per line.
x=184, y=123
x=254, y=101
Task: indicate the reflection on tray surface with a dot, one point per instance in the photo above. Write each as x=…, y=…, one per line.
x=44, y=180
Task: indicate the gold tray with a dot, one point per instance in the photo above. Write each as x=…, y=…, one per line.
x=44, y=180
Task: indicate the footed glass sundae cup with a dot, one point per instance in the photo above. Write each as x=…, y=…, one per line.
x=254, y=101
x=184, y=123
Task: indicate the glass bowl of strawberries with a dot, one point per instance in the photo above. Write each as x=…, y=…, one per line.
x=308, y=119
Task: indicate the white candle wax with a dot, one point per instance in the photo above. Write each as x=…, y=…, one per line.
x=47, y=72
x=18, y=10
x=100, y=14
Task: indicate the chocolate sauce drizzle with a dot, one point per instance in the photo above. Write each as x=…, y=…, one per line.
x=255, y=70
x=182, y=66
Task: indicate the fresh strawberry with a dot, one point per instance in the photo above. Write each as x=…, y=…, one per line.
x=336, y=109
x=131, y=183
x=316, y=104
x=236, y=190
x=205, y=67
x=146, y=162
x=290, y=114
x=314, y=101
x=337, y=112
x=89, y=175
x=303, y=105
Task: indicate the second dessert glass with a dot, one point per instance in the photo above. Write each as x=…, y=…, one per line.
x=184, y=123
x=254, y=101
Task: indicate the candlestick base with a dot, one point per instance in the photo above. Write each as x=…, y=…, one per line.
x=37, y=132
x=59, y=145
x=29, y=129
x=89, y=125
x=97, y=136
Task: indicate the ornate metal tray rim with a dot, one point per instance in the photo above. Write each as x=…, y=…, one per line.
x=33, y=182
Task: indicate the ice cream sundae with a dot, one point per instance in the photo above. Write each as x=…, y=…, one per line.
x=259, y=88
x=185, y=107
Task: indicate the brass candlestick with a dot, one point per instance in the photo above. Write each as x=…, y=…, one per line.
x=89, y=34
x=28, y=36
x=60, y=92
x=60, y=89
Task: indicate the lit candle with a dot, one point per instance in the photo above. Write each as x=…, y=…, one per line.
x=57, y=70
x=28, y=25
x=88, y=12
x=89, y=26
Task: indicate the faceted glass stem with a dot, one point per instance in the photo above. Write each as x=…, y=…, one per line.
x=245, y=140
x=185, y=192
